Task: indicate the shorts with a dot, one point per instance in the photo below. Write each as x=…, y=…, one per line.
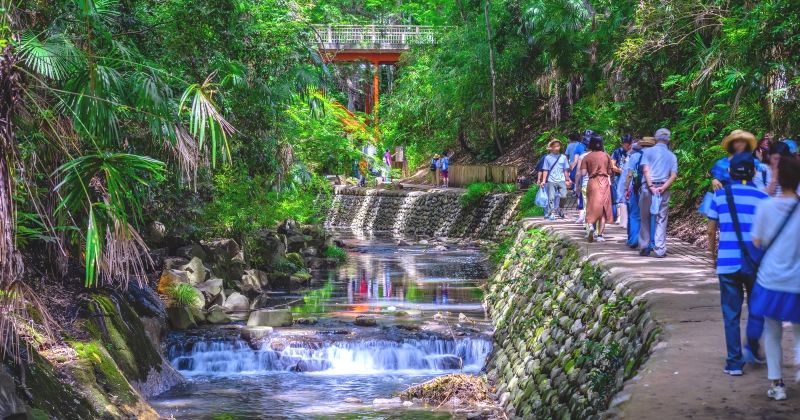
x=444, y=173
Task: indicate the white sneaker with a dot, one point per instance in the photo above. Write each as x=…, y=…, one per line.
x=777, y=392
x=590, y=234
x=600, y=238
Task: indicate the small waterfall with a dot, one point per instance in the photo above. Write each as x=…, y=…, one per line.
x=225, y=357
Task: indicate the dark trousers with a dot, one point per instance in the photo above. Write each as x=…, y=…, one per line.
x=732, y=289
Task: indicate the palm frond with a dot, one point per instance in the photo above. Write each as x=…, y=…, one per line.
x=206, y=122
x=54, y=57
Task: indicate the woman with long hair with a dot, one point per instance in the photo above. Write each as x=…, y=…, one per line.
x=597, y=167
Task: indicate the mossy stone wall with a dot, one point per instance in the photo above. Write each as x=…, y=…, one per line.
x=566, y=336
x=413, y=213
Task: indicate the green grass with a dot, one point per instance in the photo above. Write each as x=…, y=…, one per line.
x=527, y=206
x=334, y=251
x=184, y=295
x=477, y=190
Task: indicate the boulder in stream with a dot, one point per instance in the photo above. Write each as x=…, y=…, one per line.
x=180, y=318
x=216, y=315
x=365, y=321
x=196, y=271
x=255, y=333
x=270, y=318
x=237, y=302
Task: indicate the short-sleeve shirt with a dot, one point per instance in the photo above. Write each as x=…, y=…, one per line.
x=746, y=198
x=559, y=164
x=780, y=267
x=720, y=172
x=444, y=163
x=660, y=161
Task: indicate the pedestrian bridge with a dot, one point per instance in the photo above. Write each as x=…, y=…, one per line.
x=373, y=43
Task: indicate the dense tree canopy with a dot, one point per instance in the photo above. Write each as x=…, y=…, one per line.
x=218, y=117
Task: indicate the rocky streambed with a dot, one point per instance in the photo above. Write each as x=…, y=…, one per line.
x=394, y=315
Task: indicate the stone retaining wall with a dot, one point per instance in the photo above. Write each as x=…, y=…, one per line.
x=566, y=335
x=408, y=213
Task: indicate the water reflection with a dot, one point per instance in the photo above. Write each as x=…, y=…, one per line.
x=382, y=277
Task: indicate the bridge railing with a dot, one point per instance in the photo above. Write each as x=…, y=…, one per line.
x=374, y=34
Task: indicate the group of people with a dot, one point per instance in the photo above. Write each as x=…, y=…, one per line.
x=632, y=185
x=438, y=173
x=753, y=209
x=364, y=168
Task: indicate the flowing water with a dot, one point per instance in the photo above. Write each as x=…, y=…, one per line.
x=430, y=322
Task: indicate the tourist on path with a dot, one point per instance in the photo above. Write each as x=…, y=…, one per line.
x=584, y=183
x=633, y=188
x=776, y=295
x=773, y=157
x=444, y=167
x=597, y=167
x=555, y=178
x=433, y=173
x=579, y=151
x=738, y=141
x=732, y=211
x=387, y=161
x=574, y=149
x=618, y=158
x=660, y=168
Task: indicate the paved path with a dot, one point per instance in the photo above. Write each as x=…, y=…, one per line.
x=683, y=378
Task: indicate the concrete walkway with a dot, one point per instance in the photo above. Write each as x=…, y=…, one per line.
x=683, y=378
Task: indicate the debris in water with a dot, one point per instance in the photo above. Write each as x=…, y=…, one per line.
x=452, y=390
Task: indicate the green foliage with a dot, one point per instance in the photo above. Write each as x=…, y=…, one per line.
x=527, y=204
x=477, y=190
x=500, y=251
x=333, y=251
x=183, y=295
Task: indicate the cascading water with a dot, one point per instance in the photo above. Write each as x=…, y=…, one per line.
x=226, y=357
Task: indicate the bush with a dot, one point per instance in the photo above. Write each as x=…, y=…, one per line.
x=296, y=260
x=527, y=206
x=183, y=295
x=476, y=191
x=334, y=251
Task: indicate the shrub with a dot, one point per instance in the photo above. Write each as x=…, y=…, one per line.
x=476, y=191
x=285, y=266
x=334, y=251
x=296, y=260
x=184, y=295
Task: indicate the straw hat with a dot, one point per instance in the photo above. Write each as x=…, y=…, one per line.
x=739, y=135
x=647, y=142
x=436, y=156
x=554, y=141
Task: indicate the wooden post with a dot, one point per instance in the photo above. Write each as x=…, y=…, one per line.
x=375, y=90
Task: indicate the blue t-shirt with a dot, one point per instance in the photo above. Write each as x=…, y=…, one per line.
x=746, y=199
x=556, y=164
x=574, y=149
x=444, y=163
x=720, y=172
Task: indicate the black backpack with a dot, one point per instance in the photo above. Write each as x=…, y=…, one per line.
x=638, y=175
x=434, y=164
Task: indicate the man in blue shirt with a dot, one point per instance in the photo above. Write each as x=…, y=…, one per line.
x=733, y=282
x=660, y=169
x=555, y=177
x=619, y=156
x=444, y=168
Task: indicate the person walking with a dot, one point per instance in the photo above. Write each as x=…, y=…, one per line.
x=444, y=168
x=597, y=167
x=776, y=152
x=660, y=169
x=738, y=141
x=633, y=187
x=555, y=178
x=574, y=149
x=387, y=163
x=776, y=295
x=619, y=156
x=433, y=173
x=732, y=211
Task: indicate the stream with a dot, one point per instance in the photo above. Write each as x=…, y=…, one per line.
x=430, y=322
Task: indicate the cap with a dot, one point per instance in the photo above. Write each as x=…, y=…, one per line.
x=743, y=168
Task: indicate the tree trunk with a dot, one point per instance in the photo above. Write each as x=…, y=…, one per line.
x=461, y=11
x=9, y=96
x=493, y=74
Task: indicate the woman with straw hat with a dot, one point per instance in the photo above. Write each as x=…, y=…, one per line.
x=738, y=141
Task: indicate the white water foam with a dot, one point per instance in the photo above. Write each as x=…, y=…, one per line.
x=417, y=356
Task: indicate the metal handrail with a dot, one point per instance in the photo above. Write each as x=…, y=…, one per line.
x=375, y=34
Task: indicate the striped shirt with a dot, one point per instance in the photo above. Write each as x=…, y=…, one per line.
x=746, y=198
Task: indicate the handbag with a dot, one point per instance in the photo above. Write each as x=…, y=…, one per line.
x=705, y=205
x=655, y=204
x=541, y=198
x=752, y=256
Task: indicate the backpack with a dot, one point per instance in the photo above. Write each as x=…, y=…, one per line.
x=434, y=164
x=638, y=173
